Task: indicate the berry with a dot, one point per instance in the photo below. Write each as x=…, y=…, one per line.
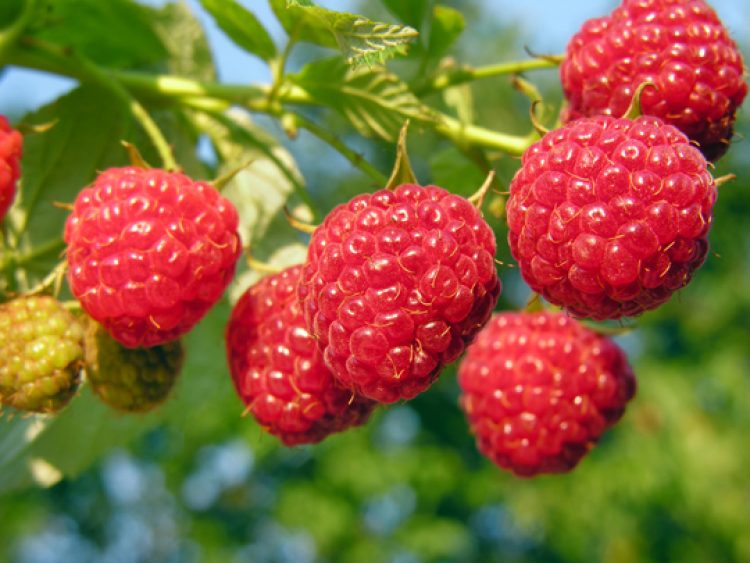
x=608, y=217
x=278, y=370
x=395, y=284
x=130, y=380
x=149, y=252
x=539, y=389
x=680, y=46
x=11, y=144
x=41, y=353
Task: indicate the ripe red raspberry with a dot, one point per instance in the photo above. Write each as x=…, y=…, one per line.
x=680, y=46
x=395, y=284
x=149, y=252
x=278, y=370
x=539, y=389
x=608, y=217
x=41, y=354
x=11, y=144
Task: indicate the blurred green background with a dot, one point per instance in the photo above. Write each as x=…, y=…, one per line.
x=196, y=482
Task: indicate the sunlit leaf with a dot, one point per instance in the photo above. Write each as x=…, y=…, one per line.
x=359, y=39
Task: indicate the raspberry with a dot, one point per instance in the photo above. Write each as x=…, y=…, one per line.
x=539, y=389
x=680, y=46
x=130, y=380
x=149, y=252
x=396, y=283
x=608, y=217
x=41, y=353
x=278, y=370
x=11, y=144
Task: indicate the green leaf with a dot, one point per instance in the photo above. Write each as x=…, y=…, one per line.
x=260, y=191
x=114, y=33
x=374, y=100
x=411, y=12
x=303, y=24
x=371, y=43
x=185, y=40
x=9, y=11
x=359, y=39
x=241, y=26
x=57, y=164
x=447, y=26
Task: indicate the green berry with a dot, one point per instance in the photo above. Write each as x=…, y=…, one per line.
x=41, y=354
x=130, y=379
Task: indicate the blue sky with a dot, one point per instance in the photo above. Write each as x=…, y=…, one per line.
x=546, y=23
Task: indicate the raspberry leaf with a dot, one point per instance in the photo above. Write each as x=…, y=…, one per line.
x=102, y=31
x=359, y=39
x=447, y=25
x=412, y=13
x=57, y=163
x=375, y=101
x=241, y=26
x=183, y=35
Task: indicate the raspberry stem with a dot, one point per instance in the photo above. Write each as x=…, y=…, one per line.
x=183, y=91
x=453, y=76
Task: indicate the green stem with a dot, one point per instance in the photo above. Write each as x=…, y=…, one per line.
x=255, y=98
x=459, y=75
x=352, y=156
x=461, y=133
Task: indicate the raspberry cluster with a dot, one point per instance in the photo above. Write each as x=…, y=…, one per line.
x=41, y=354
x=608, y=217
x=11, y=146
x=278, y=370
x=150, y=252
x=395, y=284
x=679, y=46
x=540, y=389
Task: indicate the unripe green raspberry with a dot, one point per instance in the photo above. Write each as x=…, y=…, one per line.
x=130, y=379
x=41, y=354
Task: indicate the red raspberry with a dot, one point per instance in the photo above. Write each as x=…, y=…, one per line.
x=396, y=283
x=680, y=46
x=149, y=252
x=278, y=370
x=539, y=389
x=11, y=144
x=608, y=217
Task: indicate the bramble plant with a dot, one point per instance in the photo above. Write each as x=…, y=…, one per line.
x=160, y=210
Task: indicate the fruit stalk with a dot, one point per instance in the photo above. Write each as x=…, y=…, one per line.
x=179, y=90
